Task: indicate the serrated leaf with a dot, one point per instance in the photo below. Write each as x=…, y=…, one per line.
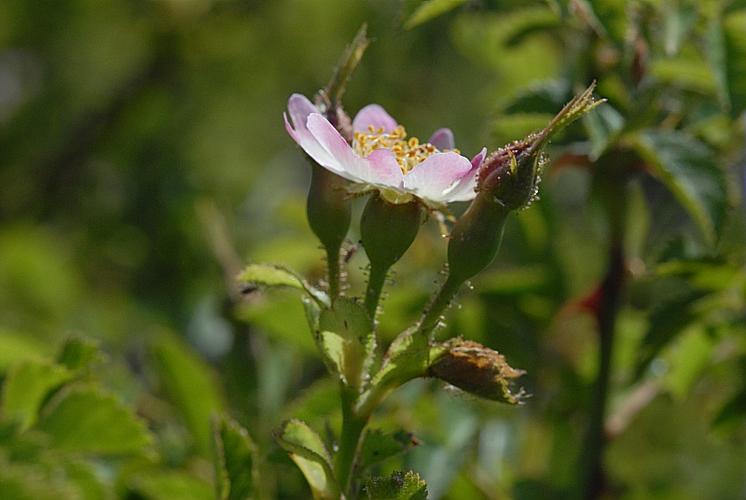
x=270, y=275
x=190, y=385
x=430, y=9
x=308, y=452
x=690, y=171
x=234, y=461
x=379, y=446
x=86, y=419
x=345, y=337
x=27, y=385
x=398, y=486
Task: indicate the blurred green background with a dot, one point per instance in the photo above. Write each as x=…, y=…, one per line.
x=143, y=160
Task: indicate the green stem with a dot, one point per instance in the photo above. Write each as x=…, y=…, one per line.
x=438, y=306
x=350, y=443
x=376, y=281
x=332, y=262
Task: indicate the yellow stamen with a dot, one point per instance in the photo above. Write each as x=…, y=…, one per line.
x=408, y=152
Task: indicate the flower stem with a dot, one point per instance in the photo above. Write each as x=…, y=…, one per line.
x=438, y=306
x=350, y=442
x=376, y=281
x=333, y=270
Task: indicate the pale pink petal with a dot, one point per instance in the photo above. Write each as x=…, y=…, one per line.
x=310, y=145
x=299, y=108
x=434, y=177
x=464, y=189
x=379, y=168
x=476, y=162
x=375, y=115
x=442, y=139
x=385, y=168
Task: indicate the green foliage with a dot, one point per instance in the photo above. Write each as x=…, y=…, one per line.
x=399, y=486
x=309, y=453
x=27, y=385
x=692, y=173
x=379, y=446
x=191, y=386
x=85, y=419
x=235, y=461
x=108, y=147
x=429, y=9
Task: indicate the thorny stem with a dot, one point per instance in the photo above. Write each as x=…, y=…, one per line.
x=350, y=442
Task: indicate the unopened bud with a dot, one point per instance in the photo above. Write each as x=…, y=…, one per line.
x=478, y=370
x=508, y=180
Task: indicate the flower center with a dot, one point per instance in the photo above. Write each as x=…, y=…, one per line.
x=408, y=152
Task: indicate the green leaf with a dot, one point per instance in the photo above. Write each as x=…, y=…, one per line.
x=308, y=452
x=430, y=9
x=234, y=461
x=379, y=446
x=32, y=482
x=345, y=337
x=667, y=321
x=691, y=172
x=78, y=353
x=398, y=486
x=15, y=347
x=87, y=420
x=725, y=49
x=271, y=275
x=168, y=485
x=190, y=385
x=27, y=385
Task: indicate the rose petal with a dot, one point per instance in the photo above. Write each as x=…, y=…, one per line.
x=386, y=169
x=432, y=178
x=442, y=139
x=299, y=108
x=375, y=115
x=310, y=145
x=379, y=168
x=464, y=189
x=476, y=162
